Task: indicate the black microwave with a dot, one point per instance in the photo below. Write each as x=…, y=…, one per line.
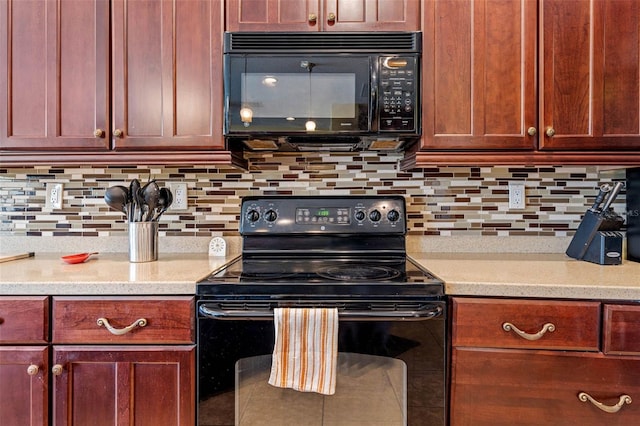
x=297, y=91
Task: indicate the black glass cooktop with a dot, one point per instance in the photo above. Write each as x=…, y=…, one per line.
x=315, y=276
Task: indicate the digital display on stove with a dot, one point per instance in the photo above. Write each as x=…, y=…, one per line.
x=322, y=215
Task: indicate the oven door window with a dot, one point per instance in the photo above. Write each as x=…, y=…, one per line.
x=297, y=95
x=371, y=390
x=389, y=373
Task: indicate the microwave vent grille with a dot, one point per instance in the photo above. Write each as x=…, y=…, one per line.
x=377, y=42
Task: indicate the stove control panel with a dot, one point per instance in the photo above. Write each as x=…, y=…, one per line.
x=323, y=215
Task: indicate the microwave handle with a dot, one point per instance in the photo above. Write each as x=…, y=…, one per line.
x=373, y=105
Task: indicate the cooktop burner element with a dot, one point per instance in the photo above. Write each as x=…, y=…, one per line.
x=322, y=247
x=359, y=273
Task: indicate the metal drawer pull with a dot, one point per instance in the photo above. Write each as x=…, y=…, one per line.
x=121, y=331
x=507, y=326
x=624, y=399
x=32, y=370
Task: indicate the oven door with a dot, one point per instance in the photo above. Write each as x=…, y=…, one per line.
x=297, y=94
x=391, y=369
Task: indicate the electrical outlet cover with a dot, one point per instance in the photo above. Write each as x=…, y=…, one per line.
x=54, y=195
x=180, y=195
x=516, y=195
x=217, y=247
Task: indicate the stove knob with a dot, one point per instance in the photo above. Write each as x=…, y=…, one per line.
x=375, y=216
x=393, y=215
x=253, y=215
x=360, y=215
x=270, y=216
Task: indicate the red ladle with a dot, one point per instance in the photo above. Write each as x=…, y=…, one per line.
x=77, y=258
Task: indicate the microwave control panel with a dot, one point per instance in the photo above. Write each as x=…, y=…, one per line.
x=397, y=93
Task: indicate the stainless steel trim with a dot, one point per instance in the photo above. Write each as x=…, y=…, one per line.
x=421, y=314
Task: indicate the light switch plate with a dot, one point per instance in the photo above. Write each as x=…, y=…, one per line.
x=217, y=247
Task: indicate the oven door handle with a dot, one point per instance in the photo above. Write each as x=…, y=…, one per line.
x=429, y=312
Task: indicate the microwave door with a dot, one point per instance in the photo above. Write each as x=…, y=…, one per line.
x=297, y=94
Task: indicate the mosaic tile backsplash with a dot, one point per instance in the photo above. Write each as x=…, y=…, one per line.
x=444, y=201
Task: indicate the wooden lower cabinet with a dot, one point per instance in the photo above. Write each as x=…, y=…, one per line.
x=522, y=362
x=24, y=386
x=124, y=385
x=24, y=360
x=525, y=387
x=123, y=361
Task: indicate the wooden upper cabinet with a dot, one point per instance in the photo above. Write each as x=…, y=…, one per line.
x=157, y=84
x=54, y=59
x=167, y=74
x=272, y=15
x=479, y=71
x=323, y=15
x=590, y=74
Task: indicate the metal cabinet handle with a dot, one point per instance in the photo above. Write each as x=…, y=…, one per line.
x=121, y=331
x=118, y=133
x=531, y=131
x=98, y=133
x=624, y=399
x=507, y=326
x=550, y=132
x=331, y=18
x=313, y=17
x=56, y=370
x=32, y=370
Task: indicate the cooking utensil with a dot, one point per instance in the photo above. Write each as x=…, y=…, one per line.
x=134, y=189
x=116, y=197
x=151, y=197
x=9, y=258
x=164, y=201
x=77, y=258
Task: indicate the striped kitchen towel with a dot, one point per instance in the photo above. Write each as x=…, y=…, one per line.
x=305, y=350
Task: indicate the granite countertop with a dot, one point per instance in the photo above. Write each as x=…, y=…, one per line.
x=472, y=274
x=532, y=275
x=106, y=274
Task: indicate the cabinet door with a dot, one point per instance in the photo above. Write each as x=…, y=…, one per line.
x=590, y=74
x=325, y=15
x=23, y=385
x=371, y=15
x=479, y=75
x=124, y=385
x=273, y=15
x=54, y=74
x=167, y=74
x=536, y=388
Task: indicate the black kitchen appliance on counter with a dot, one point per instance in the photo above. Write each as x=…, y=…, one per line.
x=343, y=252
x=633, y=214
x=598, y=238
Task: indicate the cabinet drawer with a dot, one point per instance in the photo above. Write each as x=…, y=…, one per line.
x=621, y=329
x=123, y=320
x=24, y=319
x=533, y=324
x=522, y=387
